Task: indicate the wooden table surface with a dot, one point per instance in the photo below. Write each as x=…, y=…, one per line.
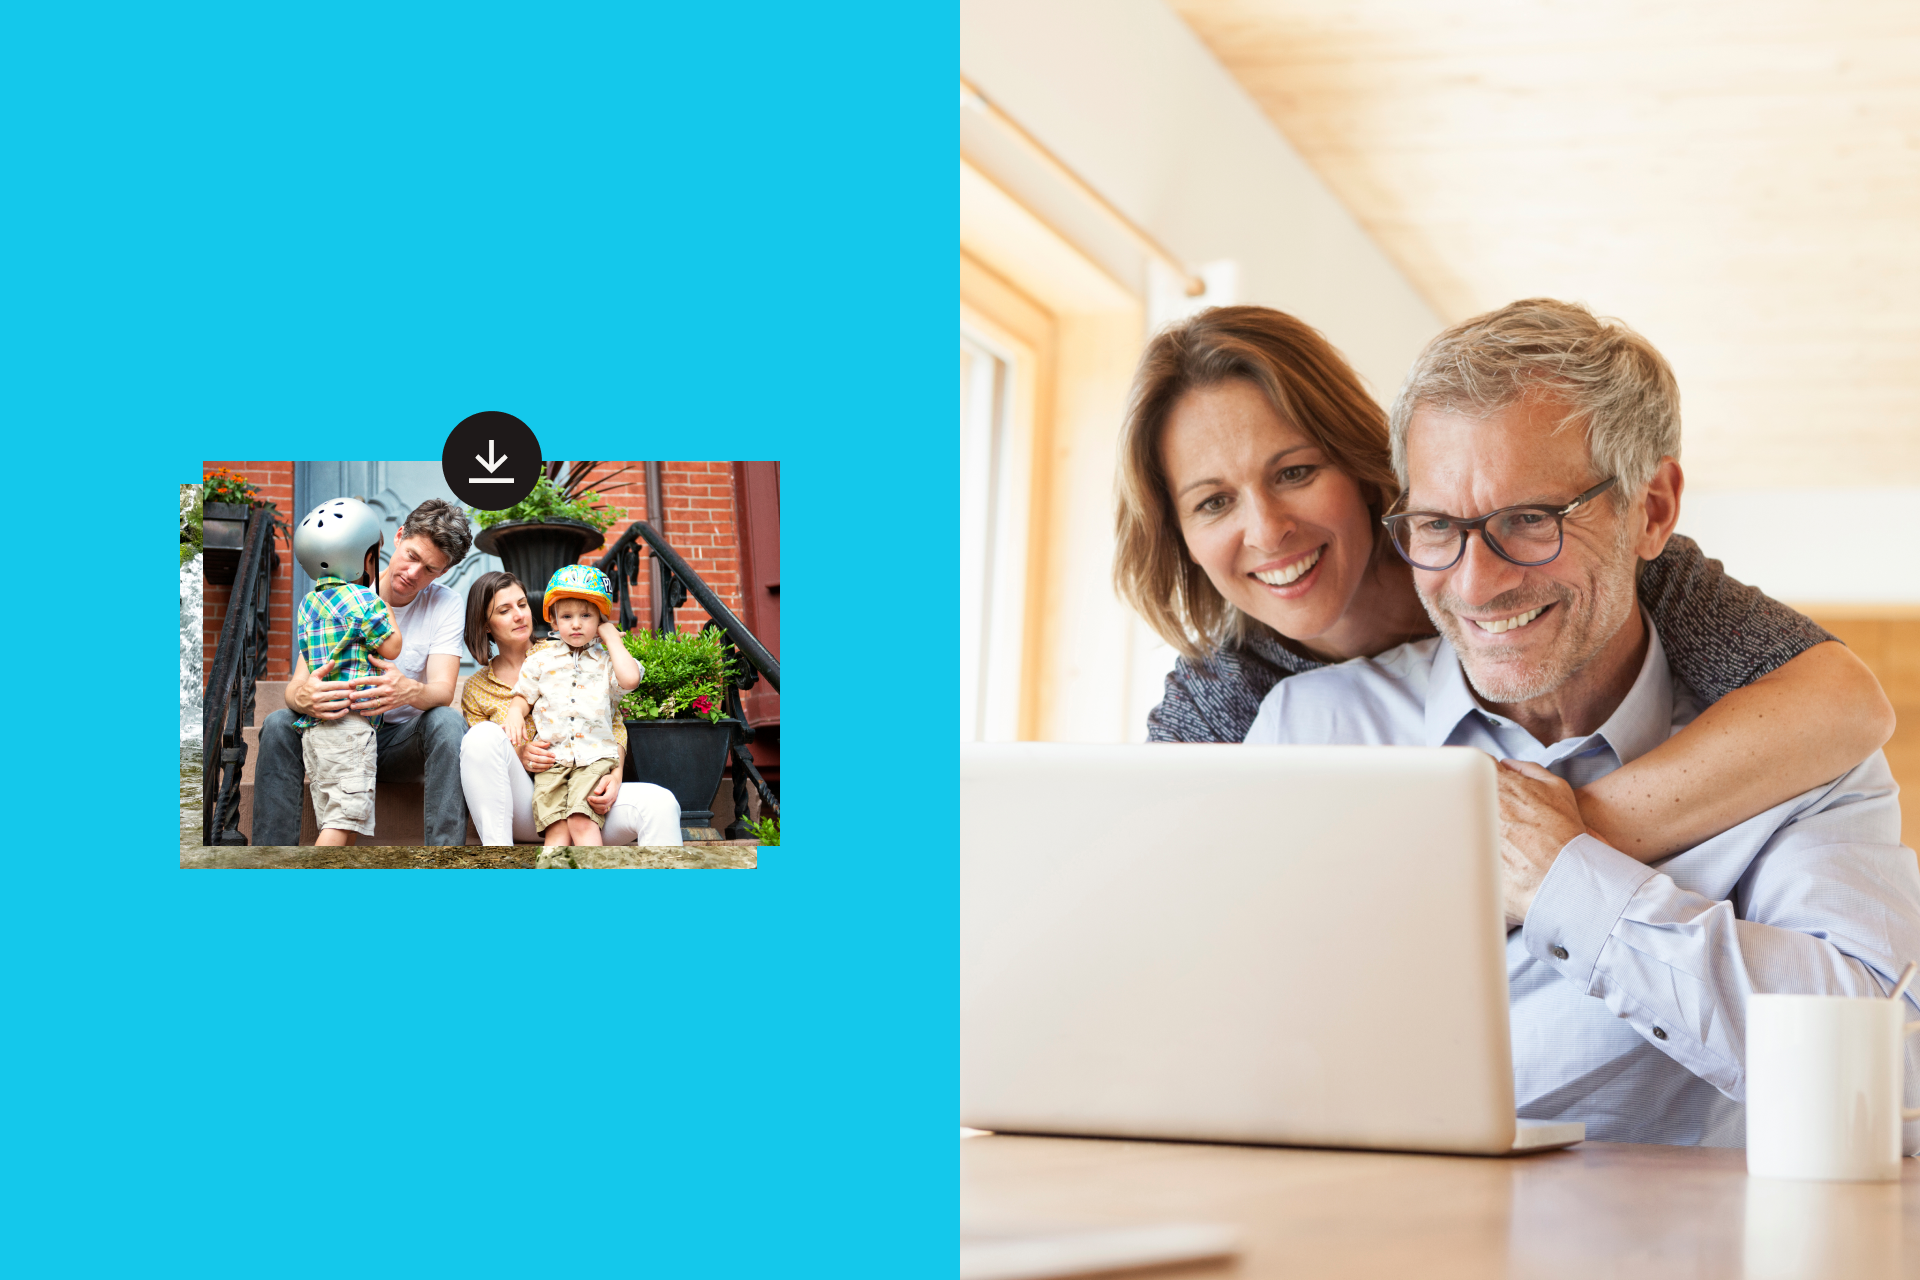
x=1598, y=1209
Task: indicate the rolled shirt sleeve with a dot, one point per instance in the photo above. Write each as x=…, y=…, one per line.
x=378, y=620
x=473, y=700
x=449, y=632
x=1826, y=908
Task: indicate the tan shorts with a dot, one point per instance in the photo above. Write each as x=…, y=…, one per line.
x=341, y=759
x=562, y=790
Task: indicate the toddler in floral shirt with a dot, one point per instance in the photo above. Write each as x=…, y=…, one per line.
x=571, y=690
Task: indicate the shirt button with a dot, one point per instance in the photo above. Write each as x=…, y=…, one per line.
x=1559, y=952
x=1658, y=1034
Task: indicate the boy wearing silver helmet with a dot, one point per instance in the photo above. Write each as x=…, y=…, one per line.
x=341, y=623
x=571, y=688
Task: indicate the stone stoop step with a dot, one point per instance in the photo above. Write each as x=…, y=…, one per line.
x=731, y=856
x=397, y=806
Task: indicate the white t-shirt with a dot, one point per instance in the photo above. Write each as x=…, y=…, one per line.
x=433, y=622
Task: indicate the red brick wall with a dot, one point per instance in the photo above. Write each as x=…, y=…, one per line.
x=274, y=480
x=700, y=525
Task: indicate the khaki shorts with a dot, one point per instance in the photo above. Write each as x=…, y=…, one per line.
x=341, y=759
x=562, y=790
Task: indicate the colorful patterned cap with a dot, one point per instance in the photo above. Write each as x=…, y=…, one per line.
x=579, y=582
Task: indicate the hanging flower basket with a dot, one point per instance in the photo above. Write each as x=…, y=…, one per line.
x=229, y=501
x=223, y=535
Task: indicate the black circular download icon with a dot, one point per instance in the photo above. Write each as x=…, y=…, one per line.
x=491, y=460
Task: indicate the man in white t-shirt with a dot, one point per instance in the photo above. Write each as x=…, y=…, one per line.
x=420, y=731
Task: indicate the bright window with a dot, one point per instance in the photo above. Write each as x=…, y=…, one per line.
x=1004, y=341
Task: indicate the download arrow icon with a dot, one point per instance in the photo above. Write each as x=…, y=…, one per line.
x=508, y=469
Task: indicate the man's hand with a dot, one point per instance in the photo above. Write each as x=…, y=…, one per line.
x=604, y=792
x=318, y=696
x=1538, y=815
x=375, y=694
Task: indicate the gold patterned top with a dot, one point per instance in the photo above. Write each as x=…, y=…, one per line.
x=485, y=698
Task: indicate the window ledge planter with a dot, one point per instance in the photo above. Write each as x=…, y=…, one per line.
x=686, y=757
x=223, y=534
x=534, y=550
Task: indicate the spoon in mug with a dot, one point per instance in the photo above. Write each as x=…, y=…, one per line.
x=1912, y=968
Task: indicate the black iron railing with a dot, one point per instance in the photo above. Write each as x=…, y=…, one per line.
x=749, y=659
x=237, y=664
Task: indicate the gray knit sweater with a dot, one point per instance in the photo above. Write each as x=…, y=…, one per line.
x=1719, y=635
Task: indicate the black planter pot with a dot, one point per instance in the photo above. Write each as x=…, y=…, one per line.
x=534, y=550
x=223, y=535
x=686, y=757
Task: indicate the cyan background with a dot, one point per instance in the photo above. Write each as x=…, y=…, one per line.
x=267, y=232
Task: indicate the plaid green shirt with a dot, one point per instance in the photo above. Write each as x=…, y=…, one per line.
x=340, y=621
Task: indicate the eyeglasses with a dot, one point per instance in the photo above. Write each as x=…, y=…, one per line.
x=1525, y=536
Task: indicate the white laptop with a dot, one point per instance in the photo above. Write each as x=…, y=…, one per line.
x=1294, y=945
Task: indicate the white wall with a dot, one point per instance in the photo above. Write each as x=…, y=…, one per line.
x=1813, y=547
x=1131, y=100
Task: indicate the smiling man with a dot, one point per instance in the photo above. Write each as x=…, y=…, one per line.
x=419, y=732
x=1538, y=450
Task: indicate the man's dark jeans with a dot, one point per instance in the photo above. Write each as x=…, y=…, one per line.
x=427, y=746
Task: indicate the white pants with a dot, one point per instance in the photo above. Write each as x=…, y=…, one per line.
x=500, y=797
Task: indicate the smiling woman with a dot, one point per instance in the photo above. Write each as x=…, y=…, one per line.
x=1254, y=475
x=1259, y=441
x=1283, y=533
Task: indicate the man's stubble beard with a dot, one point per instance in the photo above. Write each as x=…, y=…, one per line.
x=1589, y=619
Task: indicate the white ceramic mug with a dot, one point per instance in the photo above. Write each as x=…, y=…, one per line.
x=1825, y=1076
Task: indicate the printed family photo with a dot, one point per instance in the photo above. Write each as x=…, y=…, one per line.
x=376, y=674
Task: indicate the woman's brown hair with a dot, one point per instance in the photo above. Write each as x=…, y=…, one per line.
x=1308, y=383
x=479, y=603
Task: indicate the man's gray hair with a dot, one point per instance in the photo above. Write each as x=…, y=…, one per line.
x=441, y=523
x=1608, y=377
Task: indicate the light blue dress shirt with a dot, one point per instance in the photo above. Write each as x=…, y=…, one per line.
x=1629, y=983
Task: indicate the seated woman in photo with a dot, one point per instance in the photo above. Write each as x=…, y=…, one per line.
x=497, y=777
x=1245, y=427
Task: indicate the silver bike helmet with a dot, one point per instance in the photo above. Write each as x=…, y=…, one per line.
x=333, y=540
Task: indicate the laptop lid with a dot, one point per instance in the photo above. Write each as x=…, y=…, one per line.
x=1298, y=945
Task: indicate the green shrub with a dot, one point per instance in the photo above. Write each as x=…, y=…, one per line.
x=682, y=678
x=192, y=512
x=765, y=829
